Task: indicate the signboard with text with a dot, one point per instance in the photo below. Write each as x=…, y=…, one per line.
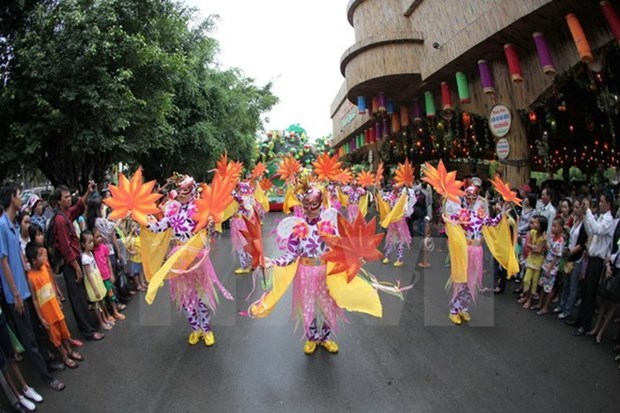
x=500, y=120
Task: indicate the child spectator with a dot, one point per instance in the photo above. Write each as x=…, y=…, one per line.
x=47, y=306
x=102, y=257
x=550, y=266
x=535, y=257
x=95, y=288
x=37, y=237
x=135, y=259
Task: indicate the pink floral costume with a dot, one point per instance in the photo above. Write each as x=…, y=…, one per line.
x=397, y=232
x=194, y=289
x=355, y=193
x=312, y=302
x=472, y=221
x=245, y=198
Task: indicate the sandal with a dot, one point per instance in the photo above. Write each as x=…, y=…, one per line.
x=57, y=385
x=75, y=343
x=96, y=336
x=70, y=363
x=526, y=305
x=120, y=306
x=76, y=356
x=541, y=312
x=106, y=326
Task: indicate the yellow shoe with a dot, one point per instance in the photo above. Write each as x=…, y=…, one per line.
x=239, y=271
x=194, y=337
x=455, y=318
x=209, y=338
x=399, y=264
x=330, y=346
x=465, y=316
x=310, y=347
x=386, y=260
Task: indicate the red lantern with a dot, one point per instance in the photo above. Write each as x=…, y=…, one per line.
x=513, y=63
x=532, y=116
x=446, y=99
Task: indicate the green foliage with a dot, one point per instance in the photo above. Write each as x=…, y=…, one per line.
x=89, y=83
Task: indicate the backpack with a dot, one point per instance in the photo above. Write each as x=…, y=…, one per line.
x=53, y=255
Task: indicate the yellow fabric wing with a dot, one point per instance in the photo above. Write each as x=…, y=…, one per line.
x=457, y=246
x=363, y=204
x=228, y=212
x=501, y=243
x=289, y=200
x=342, y=198
x=396, y=213
x=179, y=261
x=282, y=278
x=358, y=295
x=261, y=198
x=382, y=206
x=153, y=249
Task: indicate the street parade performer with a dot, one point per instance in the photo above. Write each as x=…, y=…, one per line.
x=246, y=204
x=188, y=221
x=393, y=211
x=465, y=228
x=324, y=271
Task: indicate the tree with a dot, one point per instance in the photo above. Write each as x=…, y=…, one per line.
x=91, y=82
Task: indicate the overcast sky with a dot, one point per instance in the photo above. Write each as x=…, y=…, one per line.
x=294, y=44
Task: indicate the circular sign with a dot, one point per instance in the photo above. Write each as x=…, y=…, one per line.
x=499, y=121
x=502, y=148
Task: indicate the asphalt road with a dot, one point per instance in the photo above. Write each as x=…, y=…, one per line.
x=412, y=360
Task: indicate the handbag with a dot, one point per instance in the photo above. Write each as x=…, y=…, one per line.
x=568, y=267
x=609, y=287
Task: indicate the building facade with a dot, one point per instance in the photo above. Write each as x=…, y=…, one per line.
x=421, y=67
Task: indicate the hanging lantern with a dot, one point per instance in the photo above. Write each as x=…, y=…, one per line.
x=579, y=37
x=544, y=56
x=416, y=110
x=361, y=105
x=429, y=99
x=486, y=78
x=532, y=116
x=382, y=107
x=378, y=134
x=390, y=106
x=562, y=106
x=371, y=135
x=612, y=18
x=446, y=99
x=396, y=123
x=375, y=104
x=386, y=127
x=514, y=66
x=463, y=87
x=404, y=115
x=466, y=120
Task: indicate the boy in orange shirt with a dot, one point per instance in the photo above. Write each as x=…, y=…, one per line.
x=47, y=305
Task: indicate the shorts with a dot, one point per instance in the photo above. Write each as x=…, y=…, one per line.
x=109, y=286
x=135, y=268
x=546, y=281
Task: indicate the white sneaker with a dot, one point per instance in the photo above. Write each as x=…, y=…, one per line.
x=33, y=395
x=562, y=316
x=28, y=405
